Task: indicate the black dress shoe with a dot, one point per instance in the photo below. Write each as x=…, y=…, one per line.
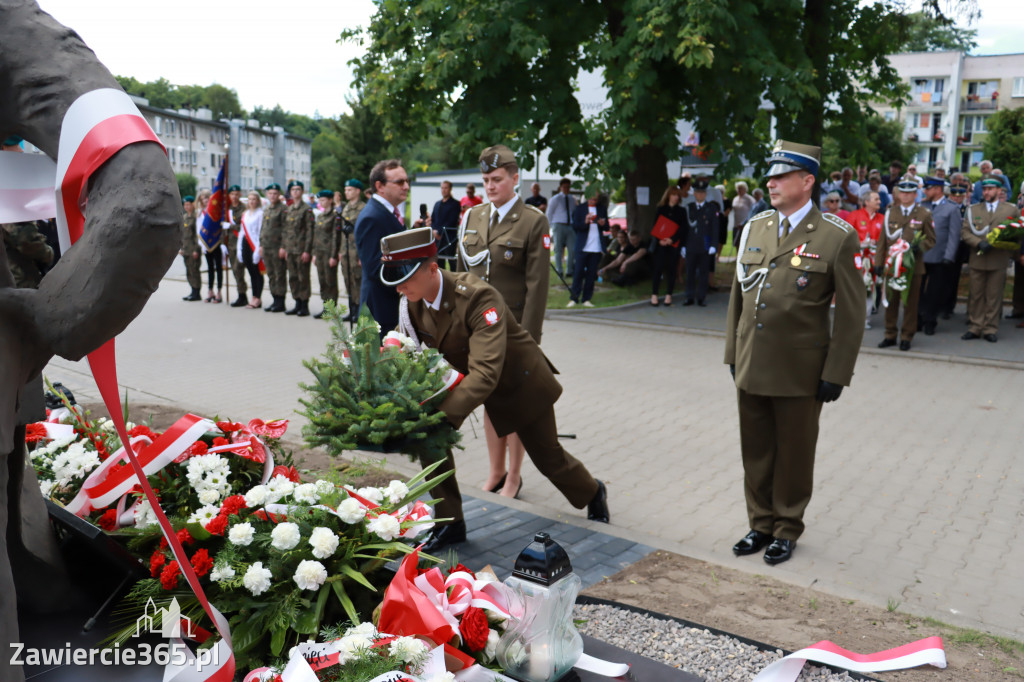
x=779, y=551
x=319, y=315
x=929, y=330
x=239, y=302
x=597, y=510
x=688, y=301
x=752, y=542
x=968, y=336
x=702, y=304
x=991, y=338
x=449, y=534
x=885, y=343
x=947, y=315
x=904, y=345
x=194, y=296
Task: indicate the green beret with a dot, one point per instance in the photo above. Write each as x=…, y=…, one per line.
x=271, y=186
x=326, y=193
x=991, y=181
x=12, y=141
x=188, y=197
x=354, y=183
x=234, y=188
x=295, y=183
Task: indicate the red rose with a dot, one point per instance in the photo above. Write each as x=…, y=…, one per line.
x=202, y=562
x=229, y=427
x=142, y=430
x=156, y=563
x=169, y=576
x=473, y=628
x=291, y=473
x=35, y=433
x=220, y=440
x=273, y=429
x=459, y=567
x=218, y=524
x=232, y=505
x=184, y=537
x=108, y=521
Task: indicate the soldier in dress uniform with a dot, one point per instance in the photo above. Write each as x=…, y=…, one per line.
x=348, y=255
x=988, y=264
x=786, y=355
x=190, y=252
x=326, y=244
x=507, y=243
x=940, y=259
x=701, y=239
x=298, y=248
x=904, y=219
x=235, y=210
x=468, y=322
x=272, y=241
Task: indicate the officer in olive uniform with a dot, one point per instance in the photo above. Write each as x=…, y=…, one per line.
x=701, y=240
x=348, y=255
x=28, y=254
x=190, y=249
x=988, y=264
x=786, y=354
x=467, y=321
x=326, y=243
x=272, y=243
x=904, y=219
x=235, y=210
x=298, y=247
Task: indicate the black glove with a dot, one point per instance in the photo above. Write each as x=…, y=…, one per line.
x=732, y=371
x=880, y=270
x=984, y=246
x=946, y=261
x=827, y=392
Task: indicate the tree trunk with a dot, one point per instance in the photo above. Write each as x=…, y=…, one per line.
x=650, y=172
x=810, y=123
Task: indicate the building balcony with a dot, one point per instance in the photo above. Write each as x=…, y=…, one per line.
x=976, y=103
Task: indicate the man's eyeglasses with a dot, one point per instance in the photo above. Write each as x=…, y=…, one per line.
x=403, y=181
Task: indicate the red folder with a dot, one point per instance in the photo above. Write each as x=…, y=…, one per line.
x=664, y=228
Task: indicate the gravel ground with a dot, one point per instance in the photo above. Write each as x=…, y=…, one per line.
x=699, y=652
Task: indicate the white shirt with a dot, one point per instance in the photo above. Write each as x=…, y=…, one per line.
x=436, y=303
x=387, y=204
x=992, y=206
x=504, y=209
x=593, y=244
x=795, y=217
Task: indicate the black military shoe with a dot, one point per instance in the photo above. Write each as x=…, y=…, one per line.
x=239, y=302
x=295, y=310
x=752, y=542
x=885, y=343
x=969, y=336
x=688, y=301
x=904, y=345
x=277, y=306
x=449, y=534
x=929, y=329
x=991, y=338
x=194, y=296
x=303, y=309
x=779, y=551
x=319, y=315
x=597, y=510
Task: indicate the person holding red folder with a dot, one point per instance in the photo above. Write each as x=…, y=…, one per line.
x=665, y=237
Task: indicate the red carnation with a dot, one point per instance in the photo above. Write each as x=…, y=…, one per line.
x=35, y=433
x=194, y=450
x=163, y=543
x=232, y=505
x=459, y=567
x=169, y=576
x=228, y=427
x=218, y=524
x=473, y=628
x=202, y=562
x=142, y=430
x=220, y=440
x=184, y=537
x=291, y=473
x=272, y=429
x=156, y=563
x=108, y=521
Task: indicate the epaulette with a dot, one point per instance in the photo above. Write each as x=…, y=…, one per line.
x=462, y=289
x=837, y=221
x=533, y=207
x=763, y=214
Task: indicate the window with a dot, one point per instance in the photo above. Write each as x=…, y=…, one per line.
x=1018, y=87
x=940, y=83
x=202, y=146
x=890, y=116
x=975, y=124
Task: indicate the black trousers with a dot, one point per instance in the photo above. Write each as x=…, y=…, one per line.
x=255, y=276
x=938, y=277
x=963, y=253
x=215, y=263
x=666, y=262
x=697, y=265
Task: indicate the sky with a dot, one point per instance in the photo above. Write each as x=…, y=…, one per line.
x=286, y=51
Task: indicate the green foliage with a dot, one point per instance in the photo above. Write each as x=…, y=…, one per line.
x=297, y=124
x=881, y=143
x=929, y=33
x=1004, y=144
x=165, y=95
x=372, y=398
x=186, y=183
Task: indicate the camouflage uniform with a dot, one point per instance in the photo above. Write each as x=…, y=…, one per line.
x=232, y=235
x=298, y=239
x=348, y=256
x=28, y=254
x=325, y=247
x=190, y=251
x=271, y=240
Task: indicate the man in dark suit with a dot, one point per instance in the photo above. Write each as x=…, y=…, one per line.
x=701, y=240
x=939, y=260
x=381, y=217
x=589, y=221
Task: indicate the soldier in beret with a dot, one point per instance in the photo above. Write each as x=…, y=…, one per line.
x=786, y=354
x=190, y=248
x=298, y=248
x=351, y=270
x=326, y=243
x=468, y=322
x=272, y=241
x=234, y=216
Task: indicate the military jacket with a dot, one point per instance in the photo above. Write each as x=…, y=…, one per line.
x=898, y=226
x=779, y=333
x=232, y=234
x=518, y=265
x=28, y=254
x=298, y=229
x=272, y=230
x=189, y=236
x=505, y=369
x=977, y=223
x=326, y=235
x=351, y=211
x=702, y=232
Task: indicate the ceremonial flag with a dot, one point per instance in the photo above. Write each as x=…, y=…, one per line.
x=209, y=223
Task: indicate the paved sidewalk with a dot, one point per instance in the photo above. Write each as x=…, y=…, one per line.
x=918, y=491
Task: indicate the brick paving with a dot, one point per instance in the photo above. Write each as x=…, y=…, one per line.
x=917, y=489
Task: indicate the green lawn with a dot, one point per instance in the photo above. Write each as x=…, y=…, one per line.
x=607, y=294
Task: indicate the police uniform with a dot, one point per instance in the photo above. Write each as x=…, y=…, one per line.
x=701, y=237
x=190, y=252
x=512, y=255
x=504, y=369
x=787, y=355
x=988, y=269
x=325, y=248
x=906, y=226
x=271, y=240
x=28, y=254
x=231, y=236
x=348, y=255
x=298, y=239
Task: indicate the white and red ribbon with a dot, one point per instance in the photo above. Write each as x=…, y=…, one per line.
x=926, y=651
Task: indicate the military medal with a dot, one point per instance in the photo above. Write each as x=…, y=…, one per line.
x=802, y=281
x=508, y=254
x=794, y=261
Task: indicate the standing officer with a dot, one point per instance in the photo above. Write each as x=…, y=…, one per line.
x=786, y=355
x=938, y=262
x=959, y=188
x=701, y=238
x=507, y=243
x=190, y=249
x=351, y=271
x=467, y=321
x=272, y=241
x=235, y=210
x=298, y=248
x=326, y=243
x=988, y=264
x=904, y=219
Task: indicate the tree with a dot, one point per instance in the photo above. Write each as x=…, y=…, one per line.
x=187, y=183
x=223, y=102
x=349, y=147
x=1004, y=145
x=882, y=142
x=928, y=33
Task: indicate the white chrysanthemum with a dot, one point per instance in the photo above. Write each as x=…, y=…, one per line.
x=256, y=497
x=285, y=536
x=241, y=534
x=324, y=542
x=386, y=526
x=406, y=342
x=310, y=575
x=144, y=514
x=442, y=677
x=364, y=629
x=352, y=646
x=209, y=496
x=204, y=514
x=409, y=649
x=491, y=647
x=375, y=495
x=396, y=491
x=324, y=487
x=279, y=486
x=221, y=573
x=257, y=579
x=306, y=493
x=351, y=511
x=45, y=487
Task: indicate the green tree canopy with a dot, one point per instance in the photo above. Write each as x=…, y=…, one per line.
x=930, y=33
x=882, y=143
x=186, y=183
x=1004, y=145
x=222, y=101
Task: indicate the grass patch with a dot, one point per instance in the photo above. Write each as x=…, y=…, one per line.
x=607, y=294
x=970, y=637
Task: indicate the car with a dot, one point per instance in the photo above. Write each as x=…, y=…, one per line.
x=617, y=215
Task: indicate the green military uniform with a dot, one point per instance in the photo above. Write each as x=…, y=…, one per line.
x=987, y=270
x=271, y=241
x=325, y=247
x=28, y=254
x=231, y=236
x=906, y=227
x=298, y=239
x=348, y=255
x=190, y=251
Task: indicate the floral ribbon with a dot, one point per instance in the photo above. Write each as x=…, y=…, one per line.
x=926, y=651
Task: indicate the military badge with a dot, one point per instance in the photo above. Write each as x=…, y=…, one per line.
x=802, y=281
x=508, y=254
x=491, y=316
x=547, y=242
